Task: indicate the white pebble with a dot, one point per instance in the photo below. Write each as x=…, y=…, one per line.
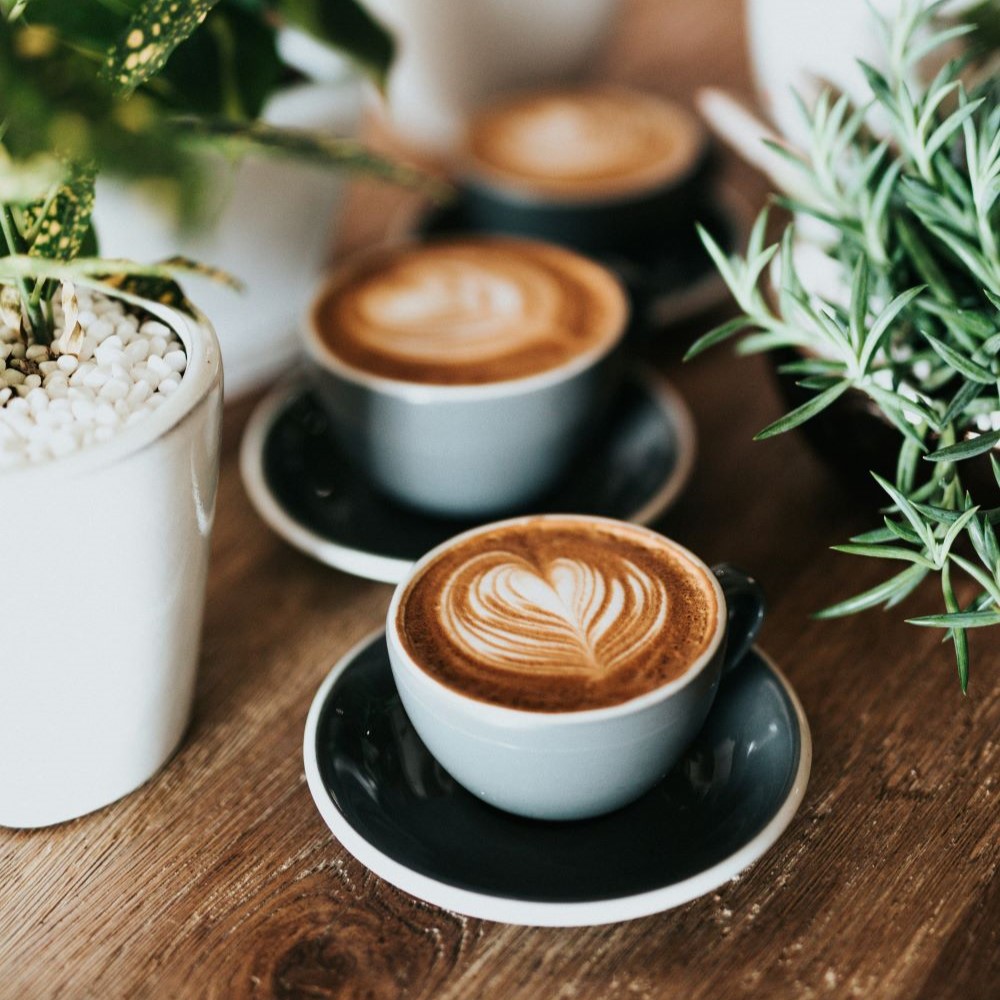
x=95, y=378
x=38, y=400
x=121, y=370
x=83, y=410
x=105, y=414
x=177, y=360
x=137, y=351
x=114, y=389
x=139, y=393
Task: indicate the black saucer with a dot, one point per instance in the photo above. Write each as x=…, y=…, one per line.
x=394, y=808
x=307, y=491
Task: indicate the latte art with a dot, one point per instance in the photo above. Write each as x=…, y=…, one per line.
x=588, y=143
x=470, y=311
x=558, y=614
x=500, y=610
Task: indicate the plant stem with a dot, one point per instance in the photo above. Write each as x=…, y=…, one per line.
x=36, y=318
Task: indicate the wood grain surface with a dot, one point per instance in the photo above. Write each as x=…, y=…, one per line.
x=218, y=879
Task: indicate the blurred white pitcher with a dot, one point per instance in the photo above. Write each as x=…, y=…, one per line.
x=454, y=54
x=802, y=44
x=798, y=45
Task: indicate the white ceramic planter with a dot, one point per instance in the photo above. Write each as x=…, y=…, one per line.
x=453, y=55
x=102, y=601
x=272, y=223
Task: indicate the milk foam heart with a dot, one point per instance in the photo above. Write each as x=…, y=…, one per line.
x=569, y=616
x=469, y=311
x=556, y=613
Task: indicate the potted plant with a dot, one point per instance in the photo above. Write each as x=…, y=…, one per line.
x=251, y=61
x=110, y=402
x=909, y=330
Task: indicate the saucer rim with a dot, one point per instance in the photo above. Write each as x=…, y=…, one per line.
x=534, y=913
x=388, y=569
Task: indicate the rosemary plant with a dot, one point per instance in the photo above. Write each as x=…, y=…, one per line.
x=912, y=212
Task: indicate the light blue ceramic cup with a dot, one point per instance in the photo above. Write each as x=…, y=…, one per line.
x=467, y=450
x=572, y=765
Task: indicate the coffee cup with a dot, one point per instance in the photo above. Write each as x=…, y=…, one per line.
x=557, y=666
x=601, y=169
x=463, y=375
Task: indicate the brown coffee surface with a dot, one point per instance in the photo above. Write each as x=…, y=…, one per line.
x=558, y=614
x=469, y=311
x=593, y=143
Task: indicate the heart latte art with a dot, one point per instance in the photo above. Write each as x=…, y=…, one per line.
x=573, y=616
x=469, y=311
x=558, y=614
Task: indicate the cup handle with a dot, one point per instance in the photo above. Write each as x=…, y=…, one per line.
x=746, y=605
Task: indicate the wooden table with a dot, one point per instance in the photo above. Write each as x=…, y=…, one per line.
x=218, y=879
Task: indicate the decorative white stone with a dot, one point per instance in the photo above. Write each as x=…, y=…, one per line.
x=123, y=369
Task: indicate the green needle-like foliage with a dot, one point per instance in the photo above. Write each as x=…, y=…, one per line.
x=914, y=219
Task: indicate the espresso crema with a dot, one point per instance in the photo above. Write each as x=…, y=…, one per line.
x=582, y=145
x=470, y=311
x=558, y=614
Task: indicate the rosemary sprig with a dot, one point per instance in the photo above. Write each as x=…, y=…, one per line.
x=914, y=217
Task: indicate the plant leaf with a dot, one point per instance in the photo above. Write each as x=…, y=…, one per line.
x=886, y=552
x=959, y=619
x=904, y=583
x=963, y=365
x=978, y=445
x=154, y=31
x=804, y=412
x=722, y=332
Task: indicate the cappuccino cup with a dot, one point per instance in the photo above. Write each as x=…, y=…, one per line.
x=601, y=169
x=462, y=375
x=557, y=666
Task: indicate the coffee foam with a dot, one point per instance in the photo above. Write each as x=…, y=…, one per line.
x=558, y=615
x=470, y=311
x=589, y=144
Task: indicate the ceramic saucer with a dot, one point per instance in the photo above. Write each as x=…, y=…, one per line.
x=306, y=490
x=672, y=279
x=393, y=807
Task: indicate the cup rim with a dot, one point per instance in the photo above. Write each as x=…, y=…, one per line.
x=523, y=717
x=322, y=355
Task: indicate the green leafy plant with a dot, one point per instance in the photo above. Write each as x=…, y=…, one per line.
x=913, y=215
x=143, y=88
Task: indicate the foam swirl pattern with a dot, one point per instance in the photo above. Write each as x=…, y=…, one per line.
x=546, y=615
x=590, y=143
x=470, y=311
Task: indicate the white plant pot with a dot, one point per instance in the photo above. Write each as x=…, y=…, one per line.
x=452, y=55
x=103, y=602
x=272, y=224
